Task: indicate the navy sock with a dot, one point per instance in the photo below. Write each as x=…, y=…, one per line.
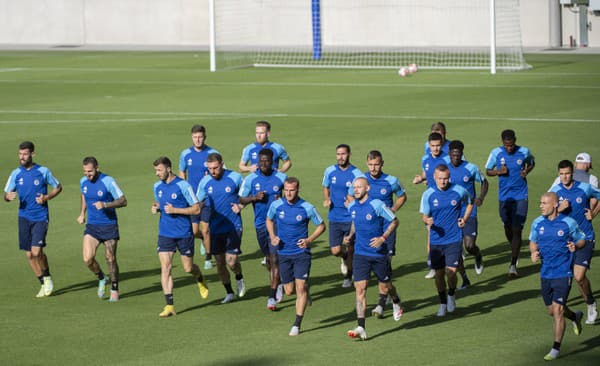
x=513, y=261
x=273, y=293
x=200, y=278
x=572, y=316
x=114, y=286
x=239, y=276
x=464, y=277
x=41, y=279
x=100, y=275
x=169, y=299
x=396, y=299
x=443, y=298
x=382, y=299
x=46, y=272
x=589, y=299
x=228, y=288
x=451, y=291
x=361, y=322
x=556, y=346
x=298, y=320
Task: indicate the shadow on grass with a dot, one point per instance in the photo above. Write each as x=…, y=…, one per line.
x=124, y=276
x=588, y=345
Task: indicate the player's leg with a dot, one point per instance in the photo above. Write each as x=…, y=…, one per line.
x=187, y=262
x=582, y=262
x=337, y=232
x=205, y=233
x=233, y=250
x=110, y=253
x=90, y=246
x=470, y=242
x=301, y=271
x=165, y=256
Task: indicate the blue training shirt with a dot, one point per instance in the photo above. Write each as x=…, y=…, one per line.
x=429, y=163
x=291, y=223
x=193, y=162
x=179, y=194
x=250, y=153
x=339, y=183
x=511, y=186
x=29, y=184
x=465, y=175
x=552, y=237
x=272, y=185
x=220, y=195
x=103, y=189
x=579, y=200
x=445, y=208
x=370, y=218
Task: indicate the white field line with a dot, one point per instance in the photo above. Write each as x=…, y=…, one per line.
x=11, y=69
x=169, y=116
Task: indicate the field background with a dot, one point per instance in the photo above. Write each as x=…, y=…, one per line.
x=127, y=108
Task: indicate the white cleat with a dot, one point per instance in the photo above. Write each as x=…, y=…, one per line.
x=228, y=298
x=377, y=312
x=479, y=269
x=397, y=311
x=279, y=293
x=442, y=310
x=208, y=264
x=41, y=293
x=592, y=314
x=263, y=262
x=430, y=274
x=347, y=283
x=358, y=332
x=48, y=286
x=241, y=287
x=451, y=306
x=294, y=331
x=343, y=267
x=512, y=271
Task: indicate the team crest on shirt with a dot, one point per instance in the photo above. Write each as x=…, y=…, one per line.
x=519, y=161
x=560, y=233
x=299, y=218
x=189, y=162
x=281, y=214
x=466, y=178
x=383, y=191
x=453, y=202
x=436, y=203
x=348, y=184
x=369, y=217
x=36, y=182
x=100, y=193
x=257, y=186
x=228, y=189
x=579, y=200
x=275, y=188
x=173, y=195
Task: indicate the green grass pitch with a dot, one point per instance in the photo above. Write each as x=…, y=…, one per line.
x=127, y=108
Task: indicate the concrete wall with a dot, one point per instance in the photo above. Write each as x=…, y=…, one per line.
x=185, y=22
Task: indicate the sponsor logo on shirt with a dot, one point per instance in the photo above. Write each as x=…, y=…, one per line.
x=333, y=179
x=84, y=190
x=541, y=230
x=281, y=214
x=20, y=182
x=436, y=203
x=160, y=194
x=189, y=162
x=209, y=190
x=257, y=186
x=353, y=214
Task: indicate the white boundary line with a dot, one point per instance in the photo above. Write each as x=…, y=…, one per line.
x=220, y=115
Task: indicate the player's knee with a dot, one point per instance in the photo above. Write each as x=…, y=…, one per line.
x=337, y=251
x=580, y=278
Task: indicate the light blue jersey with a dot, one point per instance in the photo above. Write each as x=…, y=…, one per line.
x=291, y=223
x=466, y=175
x=552, y=237
x=272, y=185
x=193, y=162
x=579, y=196
x=29, y=184
x=339, y=183
x=179, y=194
x=445, y=208
x=250, y=153
x=220, y=195
x=103, y=189
x=511, y=186
x=370, y=219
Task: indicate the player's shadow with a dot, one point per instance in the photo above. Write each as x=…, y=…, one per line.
x=178, y=282
x=589, y=345
x=124, y=276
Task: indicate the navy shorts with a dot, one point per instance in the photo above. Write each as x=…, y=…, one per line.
x=583, y=256
x=204, y=215
x=337, y=231
x=102, y=233
x=513, y=213
x=362, y=265
x=294, y=267
x=448, y=255
x=391, y=244
x=264, y=241
x=470, y=228
x=184, y=245
x=556, y=290
x=32, y=234
x=230, y=243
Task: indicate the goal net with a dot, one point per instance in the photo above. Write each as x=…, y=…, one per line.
x=448, y=34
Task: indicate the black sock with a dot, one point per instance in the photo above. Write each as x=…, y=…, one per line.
x=273, y=293
x=396, y=299
x=41, y=279
x=100, y=275
x=298, y=320
x=478, y=260
x=451, y=291
x=572, y=316
x=114, y=286
x=208, y=256
x=464, y=277
x=344, y=256
x=513, y=261
x=556, y=346
x=361, y=322
x=349, y=275
x=228, y=287
x=382, y=299
x=46, y=272
x=169, y=299
x=239, y=276
x=200, y=278
x=589, y=299
x=443, y=298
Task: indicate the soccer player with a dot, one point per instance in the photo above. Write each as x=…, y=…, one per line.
x=553, y=239
x=192, y=167
x=583, y=164
x=249, y=161
x=438, y=127
x=574, y=198
x=100, y=197
x=337, y=181
x=29, y=182
x=372, y=224
x=262, y=188
x=442, y=212
x=429, y=162
x=511, y=163
x=384, y=187
x=287, y=223
x=175, y=201
x=219, y=189
x=466, y=175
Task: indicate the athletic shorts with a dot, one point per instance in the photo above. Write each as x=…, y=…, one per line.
x=32, y=234
x=583, y=256
x=294, y=267
x=230, y=243
x=513, y=213
x=448, y=255
x=102, y=233
x=185, y=246
x=470, y=228
x=264, y=241
x=362, y=265
x=556, y=290
x=337, y=231
x=204, y=215
x=391, y=244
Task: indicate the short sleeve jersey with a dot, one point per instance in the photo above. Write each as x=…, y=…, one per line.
x=256, y=182
x=250, y=153
x=291, y=223
x=220, y=194
x=339, y=183
x=579, y=196
x=445, y=207
x=179, y=194
x=429, y=163
x=103, y=189
x=552, y=237
x=466, y=175
x=370, y=219
x=193, y=162
x=511, y=186
x=29, y=184
x=445, y=147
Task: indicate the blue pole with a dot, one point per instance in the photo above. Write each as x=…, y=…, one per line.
x=316, y=29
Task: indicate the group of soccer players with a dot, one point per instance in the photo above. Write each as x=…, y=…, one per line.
x=205, y=199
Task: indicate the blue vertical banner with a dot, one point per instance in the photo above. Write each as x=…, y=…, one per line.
x=316, y=29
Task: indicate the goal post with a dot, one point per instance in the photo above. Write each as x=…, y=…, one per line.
x=435, y=34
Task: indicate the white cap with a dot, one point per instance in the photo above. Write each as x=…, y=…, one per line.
x=584, y=158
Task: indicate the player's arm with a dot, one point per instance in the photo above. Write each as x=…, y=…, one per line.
x=182, y=174
x=305, y=243
x=190, y=210
x=326, y=197
x=47, y=197
x=287, y=164
x=535, y=253
x=528, y=167
x=259, y=196
x=400, y=201
x=350, y=237
x=119, y=202
x=81, y=217
x=420, y=178
x=428, y=220
x=10, y=196
x=466, y=216
x=482, y=192
x=271, y=230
